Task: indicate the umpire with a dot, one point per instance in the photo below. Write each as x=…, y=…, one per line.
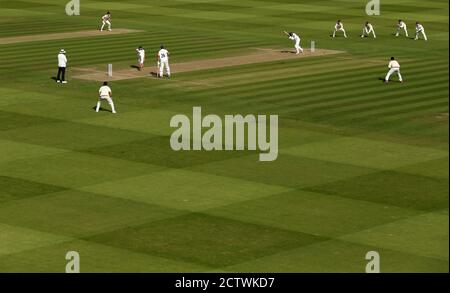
x=62, y=63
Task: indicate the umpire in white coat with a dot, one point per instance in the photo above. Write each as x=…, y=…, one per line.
x=62, y=63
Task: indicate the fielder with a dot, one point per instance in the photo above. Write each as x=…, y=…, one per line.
x=339, y=26
x=394, y=66
x=141, y=57
x=401, y=25
x=294, y=37
x=367, y=29
x=106, y=20
x=420, y=30
x=163, y=62
x=105, y=93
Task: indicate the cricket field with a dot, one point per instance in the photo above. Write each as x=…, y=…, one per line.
x=362, y=165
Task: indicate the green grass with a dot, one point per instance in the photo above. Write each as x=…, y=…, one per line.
x=362, y=165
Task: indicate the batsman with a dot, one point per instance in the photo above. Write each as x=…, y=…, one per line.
x=294, y=37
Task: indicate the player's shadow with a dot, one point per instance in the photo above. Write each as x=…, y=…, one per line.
x=154, y=74
x=54, y=78
x=382, y=80
x=288, y=52
x=101, y=109
x=134, y=66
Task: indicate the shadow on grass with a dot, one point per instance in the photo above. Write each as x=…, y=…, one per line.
x=102, y=109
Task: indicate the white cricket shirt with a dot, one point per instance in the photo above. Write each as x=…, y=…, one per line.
x=62, y=60
x=163, y=55
x=104, y=91
x=295, y=37
x=393, y=64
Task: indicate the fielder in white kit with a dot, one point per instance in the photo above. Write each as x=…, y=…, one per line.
x=106, y=20
x=105, y=93
x=367, y=29
x=294, y=37
x=339, y=26
x=141, y=57
x=420, y=30
x=401, y=25
x=163, y=61
x=394, y=66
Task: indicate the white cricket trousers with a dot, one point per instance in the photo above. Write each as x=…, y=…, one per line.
x=110, y=102
x=368, y=31
x=106, y=22
x=391, y=71
x=164, y=64
x=298, y=48
x=339, y=29
x=423, y=34
x=399, y=29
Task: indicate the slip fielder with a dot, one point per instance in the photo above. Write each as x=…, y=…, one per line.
x=394, y=66
x=294, y=37
x=163, y=61
x=339, y=26
x=105, y=93
x=106, y=20
x=420, y=30
x=401, y=25
x=367, y=29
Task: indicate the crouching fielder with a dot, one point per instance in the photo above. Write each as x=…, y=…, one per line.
x=394, y=66
x=105, y=93
x=367, y=29
x=163, y=61
x=420, y=30
x=401, y=25
x=294, y=37
x=339, y=26
x=106, y=20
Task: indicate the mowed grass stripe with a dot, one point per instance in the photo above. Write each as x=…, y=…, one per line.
x=325, y=79
x=410, y=110
x=121, y=54
x=383, y=107
x=270, y=75
x=323, y=85
x=366, y=94
x=359, y=102
x=309, y=102
x=254, y=71
x=92, y=44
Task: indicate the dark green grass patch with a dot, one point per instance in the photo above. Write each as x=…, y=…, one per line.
x=392, y=188
x=206, y=239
